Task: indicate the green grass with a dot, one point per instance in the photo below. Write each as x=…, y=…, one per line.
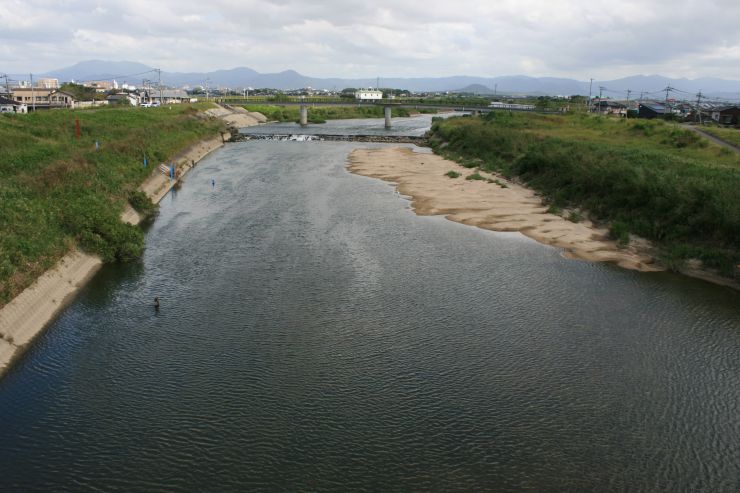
x=453, y=174
x=474, y=176
x=652, y=178
x=320, y=114
x=731, y=135
x=58, y=192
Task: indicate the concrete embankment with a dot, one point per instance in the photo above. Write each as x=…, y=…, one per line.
x=29, y=313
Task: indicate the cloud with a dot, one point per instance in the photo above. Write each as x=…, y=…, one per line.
x=353, y=38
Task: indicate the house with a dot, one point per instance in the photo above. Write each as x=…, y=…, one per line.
x=651, y=110
x=100, y=86
x=368, y=95
x=10, y=106
x=609, y=107
x=40, y=98
x=169, y=96
x=726, y=115
x=123, y=98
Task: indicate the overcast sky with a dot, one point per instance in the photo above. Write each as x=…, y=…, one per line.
x=368, y=38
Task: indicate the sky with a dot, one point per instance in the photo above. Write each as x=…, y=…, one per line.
x=387, y=38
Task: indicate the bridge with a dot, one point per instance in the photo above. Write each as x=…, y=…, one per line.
x=387, y=107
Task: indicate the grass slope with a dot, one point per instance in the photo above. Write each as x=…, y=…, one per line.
x=646, y=177
x=58, y=192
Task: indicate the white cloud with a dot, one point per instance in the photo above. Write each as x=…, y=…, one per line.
x=353, y=38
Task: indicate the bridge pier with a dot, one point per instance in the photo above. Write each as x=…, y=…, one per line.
x=304, y=115
x=387, y=113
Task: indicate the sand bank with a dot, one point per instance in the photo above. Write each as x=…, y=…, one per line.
x=29, y=313
x=493, y=207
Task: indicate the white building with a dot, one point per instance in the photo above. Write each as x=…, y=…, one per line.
x=368, y=95
x=10, y=106
x=48, y=83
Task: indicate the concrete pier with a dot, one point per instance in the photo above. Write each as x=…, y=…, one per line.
x=304, y=115
x=387, y=113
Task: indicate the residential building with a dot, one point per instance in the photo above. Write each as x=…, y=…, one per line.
x=10, y=106
x=651, y=110
x=608, y=107
x=121, y=97
x=47, y=83
x=169, y=96
x=99, y=85
x=368, y=95
x=726, y=115
x=38, y=98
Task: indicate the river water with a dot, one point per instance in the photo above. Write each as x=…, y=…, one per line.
x=315, y=334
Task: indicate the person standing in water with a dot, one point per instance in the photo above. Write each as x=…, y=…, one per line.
x=156, y=303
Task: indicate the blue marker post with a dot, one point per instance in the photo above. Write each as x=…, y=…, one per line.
x=213, y=183
x=146, y=162
x=97, y=145
x=172, y=171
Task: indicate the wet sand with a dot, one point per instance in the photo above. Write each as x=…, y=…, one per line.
x=493, y=207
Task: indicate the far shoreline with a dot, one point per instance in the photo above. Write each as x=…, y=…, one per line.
x=497, y=204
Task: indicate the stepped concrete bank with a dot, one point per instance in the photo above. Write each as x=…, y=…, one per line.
x=29, y=313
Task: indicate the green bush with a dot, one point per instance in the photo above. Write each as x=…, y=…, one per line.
x=453, y=174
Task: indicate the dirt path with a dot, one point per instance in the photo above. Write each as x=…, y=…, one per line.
x=713, y=138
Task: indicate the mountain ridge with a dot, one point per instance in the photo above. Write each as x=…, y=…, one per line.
x=239, y=77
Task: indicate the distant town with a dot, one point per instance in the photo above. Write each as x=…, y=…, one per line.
x=24, y=96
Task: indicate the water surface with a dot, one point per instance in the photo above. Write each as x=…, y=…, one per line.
x=315, y=334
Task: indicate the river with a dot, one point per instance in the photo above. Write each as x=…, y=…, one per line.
x=315, y=334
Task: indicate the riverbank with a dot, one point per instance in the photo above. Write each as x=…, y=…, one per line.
x=641, y=179
x=493, y=203
x=28, y=314
x=498, y=204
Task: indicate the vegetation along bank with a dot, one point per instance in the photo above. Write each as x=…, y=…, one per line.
x=648, y=178
x=59, y=192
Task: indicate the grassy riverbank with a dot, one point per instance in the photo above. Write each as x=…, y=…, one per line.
x=320, y=114
x=58, y=192
x=650, y=178
x=731, y=135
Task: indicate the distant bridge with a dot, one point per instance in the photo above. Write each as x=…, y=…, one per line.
x=387, y=107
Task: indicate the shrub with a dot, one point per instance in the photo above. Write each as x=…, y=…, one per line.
x=474, y=176
x=453, y=174
x=619, y=231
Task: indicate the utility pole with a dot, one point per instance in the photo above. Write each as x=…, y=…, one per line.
x=7, y=86
x=667, y=90
x=207, y=81
x=495, y=89
x=590, y=84
x=698, y=106
x=629, y=91
x=159, y=83
x=33, y=94
x=601, y=88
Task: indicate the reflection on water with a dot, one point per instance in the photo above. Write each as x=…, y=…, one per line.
x=315, y=334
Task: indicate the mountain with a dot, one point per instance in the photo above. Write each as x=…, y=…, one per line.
x=651, y=85
x=99, y=70
x=475, y=89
